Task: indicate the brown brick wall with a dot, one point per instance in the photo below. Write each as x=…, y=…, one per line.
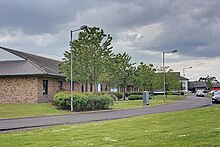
x=18, y=89
x=52, y=88
x=29, y=89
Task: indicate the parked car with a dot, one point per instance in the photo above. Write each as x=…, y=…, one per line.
x=213, y=91
x=200, y=93
x=216, y=97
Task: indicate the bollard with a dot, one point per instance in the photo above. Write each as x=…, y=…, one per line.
x=146, y=98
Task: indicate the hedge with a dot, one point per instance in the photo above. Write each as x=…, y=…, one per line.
x=175, y=93
x=135, y=97
x=134, y=93
x=82, y=101
x=119, y=95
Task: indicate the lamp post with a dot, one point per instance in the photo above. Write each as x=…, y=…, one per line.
x=164, y=73
x=185, y=69
x=71, y=62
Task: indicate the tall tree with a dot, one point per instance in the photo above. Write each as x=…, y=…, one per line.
x=109, y=75
x=125, y=70
x=144, y=74
x=90, y=52
x=172, y=79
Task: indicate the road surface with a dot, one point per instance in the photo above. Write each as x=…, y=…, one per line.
x=31, y=122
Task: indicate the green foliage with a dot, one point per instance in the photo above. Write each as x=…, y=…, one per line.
x=119, y=95
x=175, y=93
x=172, y=79
x=91, y=51
x=125, y=70
x=61, y=99
x=135, y=97
x=144, y=76
x=134, y=93
x=82, y=101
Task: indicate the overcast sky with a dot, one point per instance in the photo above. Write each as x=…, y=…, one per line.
x=142, y=28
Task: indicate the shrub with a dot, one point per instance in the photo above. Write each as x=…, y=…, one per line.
x=61, y=100
x=175, y=93
x=119, y=95
x=135, y=97
x=134, y=93
x=82, y=101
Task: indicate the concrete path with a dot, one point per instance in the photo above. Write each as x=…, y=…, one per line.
x=22, y=123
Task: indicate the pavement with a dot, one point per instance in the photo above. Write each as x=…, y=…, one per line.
x=75, y=118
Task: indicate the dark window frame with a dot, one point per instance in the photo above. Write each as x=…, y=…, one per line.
x=45, y=87
x=60, y=85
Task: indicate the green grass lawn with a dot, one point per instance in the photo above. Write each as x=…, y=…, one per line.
x=25, y=110
x=42, y=109
x=139, y=103
x=196, y=127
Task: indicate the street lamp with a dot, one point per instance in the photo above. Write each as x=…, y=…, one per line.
x=71, y=62
x=164, y=74
x=185, y=69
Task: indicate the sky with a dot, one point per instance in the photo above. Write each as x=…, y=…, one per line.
x=142, y=28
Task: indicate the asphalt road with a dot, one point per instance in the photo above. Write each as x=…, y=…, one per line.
x=31, y=122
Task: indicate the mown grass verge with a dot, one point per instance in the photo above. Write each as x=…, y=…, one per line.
x=43, y=109
x=196, y=127
x=27, y=110
x=158, y=100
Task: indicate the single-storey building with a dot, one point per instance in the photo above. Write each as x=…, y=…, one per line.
x=34, y=79
x=196, y=85
x=184, y=81
x=215, y=86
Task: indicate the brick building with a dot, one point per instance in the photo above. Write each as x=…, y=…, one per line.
x=34, y=79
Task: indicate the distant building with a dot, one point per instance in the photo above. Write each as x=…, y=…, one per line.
x=184, y=82
x=215, y=86
x=196, y=85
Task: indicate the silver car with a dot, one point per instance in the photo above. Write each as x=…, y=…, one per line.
x=216, y=97
x=200, y=93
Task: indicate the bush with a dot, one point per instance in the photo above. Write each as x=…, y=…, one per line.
x=82, y=101
x=175, y=93
x=135, y=97
x=134, y=93
x=61, y=100
x=119, y=95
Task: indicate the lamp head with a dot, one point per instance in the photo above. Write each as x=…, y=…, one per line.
x=83, y=27
x=174, y=51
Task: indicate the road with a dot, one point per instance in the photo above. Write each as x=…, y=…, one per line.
x=31, y=122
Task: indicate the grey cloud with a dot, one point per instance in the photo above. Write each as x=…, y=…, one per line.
x=190, y=26
x=34, y=16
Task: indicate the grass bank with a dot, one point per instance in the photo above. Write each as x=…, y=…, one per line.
x=26, y=110
x=196, y=127
x=42, y=109
x=158, y=100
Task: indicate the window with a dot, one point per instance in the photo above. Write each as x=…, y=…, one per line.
x=91, y=87
x=82, y=87
x=45, y=87
x=106, y=87
x=101, y=87
x=60, y=85
x=72, y=85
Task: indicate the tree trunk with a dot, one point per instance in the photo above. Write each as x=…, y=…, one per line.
x=86, y=86
x=95, y=80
